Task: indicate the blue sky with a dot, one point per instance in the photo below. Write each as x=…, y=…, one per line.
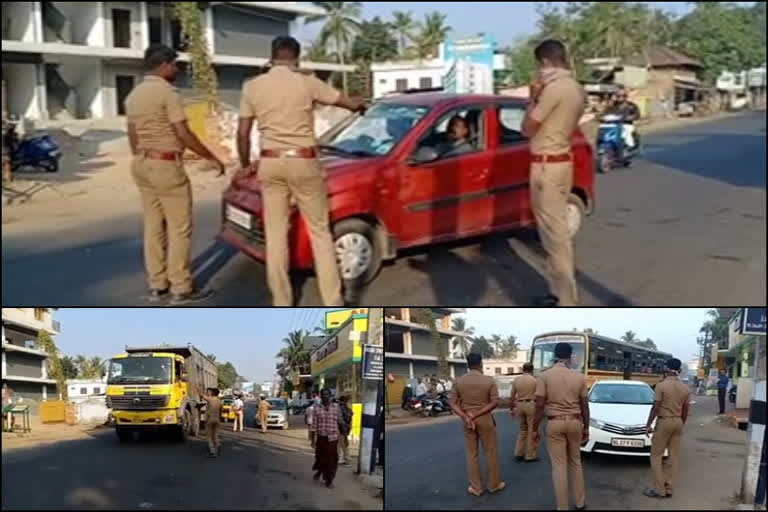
x=249, y=338
x=673, y=329
x=505, y=20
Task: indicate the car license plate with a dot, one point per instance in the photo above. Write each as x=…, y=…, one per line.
x=628, y=443
x=238, y=216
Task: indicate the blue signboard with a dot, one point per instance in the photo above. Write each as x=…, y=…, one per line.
x=478, y=50
x=753, y=321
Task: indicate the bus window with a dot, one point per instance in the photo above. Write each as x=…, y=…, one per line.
x=544, y=354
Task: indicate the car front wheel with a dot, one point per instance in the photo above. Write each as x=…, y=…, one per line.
x=358, y=254
x=575, y=212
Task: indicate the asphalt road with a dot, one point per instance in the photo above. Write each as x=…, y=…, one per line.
x=425, y=470
x=100, y=473
x=686, y=225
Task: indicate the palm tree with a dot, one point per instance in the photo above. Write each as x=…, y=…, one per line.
x=95, y=367
x=630, y=337
x=464, y=342
x=341, y=22
x=81, y=363
x=433, y=32
x=497, y=342
x=293, y=354
x=512, y=345
x=404, y=26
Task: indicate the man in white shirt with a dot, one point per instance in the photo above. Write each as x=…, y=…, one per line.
x=421, y=388
x=237, y=407
x=448, y=385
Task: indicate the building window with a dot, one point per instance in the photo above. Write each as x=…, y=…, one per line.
x=510, y=369
x=96, y=390
x=83, y=391
x=425, y=82
x=121, y=28
x=394, y=341
x=497, y=370
x=401, y=84
x=382, y=80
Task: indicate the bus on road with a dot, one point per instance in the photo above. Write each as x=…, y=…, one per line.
x=600, y=357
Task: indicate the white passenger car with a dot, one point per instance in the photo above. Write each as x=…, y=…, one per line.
x=618, y=412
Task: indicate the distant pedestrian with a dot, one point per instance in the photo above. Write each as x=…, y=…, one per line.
x=722, y=389
x=670, y=406
x=561, y=394
x=212, y=419
x=326, y=423
x=344, y=430
x=524, y=397
x=475, y=396
x=308, y=417
x=237, y=407
x=264, y=407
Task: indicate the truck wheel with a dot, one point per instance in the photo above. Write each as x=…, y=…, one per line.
x=358, y=252
x=125, y=435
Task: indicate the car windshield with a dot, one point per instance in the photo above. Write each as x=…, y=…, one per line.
x=277, y=405
x=544, y=354
x=139, y=370
x=609, y=393
x=376, y=132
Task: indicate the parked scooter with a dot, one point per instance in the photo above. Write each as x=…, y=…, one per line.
x=39, y=151
x=732, y=395
x=612, y=153
x=438, y=405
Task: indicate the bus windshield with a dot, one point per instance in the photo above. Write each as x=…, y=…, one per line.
x=544, y=352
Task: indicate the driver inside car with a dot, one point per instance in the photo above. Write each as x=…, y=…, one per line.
x=456, y=138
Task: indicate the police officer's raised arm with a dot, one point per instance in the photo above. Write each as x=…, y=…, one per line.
x=326, y=95
x=540, y=107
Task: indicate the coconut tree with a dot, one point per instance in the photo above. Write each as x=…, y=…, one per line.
x=293, y=353
x=404, y=26
x=433, y=32
x=630, y=337
x=463, y=341
x=341, y=22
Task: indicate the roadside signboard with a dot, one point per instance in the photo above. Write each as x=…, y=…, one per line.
x=373, y=362
x=753, y=321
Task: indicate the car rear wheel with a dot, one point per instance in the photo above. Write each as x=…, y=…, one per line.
x=574, y=214
x=358, y=254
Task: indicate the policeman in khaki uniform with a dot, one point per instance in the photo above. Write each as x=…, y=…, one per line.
x=561, y=394
x=474, y=398
x=523, y=396
x=158, y=133
x=557, y=104
x=282, y=101
x=670, y=406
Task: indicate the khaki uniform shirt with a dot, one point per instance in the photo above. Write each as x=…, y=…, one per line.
x=263, y=407
x=562, y=389
x=525, y=387
x=558, y=109
x=213, y=409
x=672, y=393
x=475, y=390
x=153, y=107
x=283, y=102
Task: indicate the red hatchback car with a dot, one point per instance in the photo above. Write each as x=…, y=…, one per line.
x=397, y=180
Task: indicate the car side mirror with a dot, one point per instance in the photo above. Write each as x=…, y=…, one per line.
x=423, y=155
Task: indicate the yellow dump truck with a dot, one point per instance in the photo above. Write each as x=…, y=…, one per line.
x=156, y=388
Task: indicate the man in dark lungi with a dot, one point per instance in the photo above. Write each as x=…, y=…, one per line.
x=326, y=420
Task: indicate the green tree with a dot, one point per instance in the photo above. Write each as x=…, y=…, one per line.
x=508, y=347
x=190, y=15
x=293, y=354
x=404, y=27
x=723, y=36
x=81, y=363
x=69, y=367
x=53, y=363
x=375, y=42
x=647, y=342
x=482, y=346
x=426, y=317
x=521, y=62
x=463, y=342
x=227, y=375
x=433, y=32
x=630, y=337
x=341, y=22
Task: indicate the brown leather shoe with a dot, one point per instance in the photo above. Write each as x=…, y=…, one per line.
x=499, y=487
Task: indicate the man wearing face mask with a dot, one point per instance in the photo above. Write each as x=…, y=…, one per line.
x=158, y=134
x=557, y=103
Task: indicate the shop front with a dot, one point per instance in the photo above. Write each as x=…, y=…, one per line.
x=335, y=364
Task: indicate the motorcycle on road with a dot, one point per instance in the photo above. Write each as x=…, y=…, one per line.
x=612, y=153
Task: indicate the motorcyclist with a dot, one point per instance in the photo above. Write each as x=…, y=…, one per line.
x=629, y=113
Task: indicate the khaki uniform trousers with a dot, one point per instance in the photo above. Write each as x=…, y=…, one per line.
x=550, y=187
x=564, y=446
x=263, y=421
x=525, y=443
x=166, y=196
x=212, y=433
x=485, y=433
x=302, y=179
x=666, y=436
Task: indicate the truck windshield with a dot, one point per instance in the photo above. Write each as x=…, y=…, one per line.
x=139, y=370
